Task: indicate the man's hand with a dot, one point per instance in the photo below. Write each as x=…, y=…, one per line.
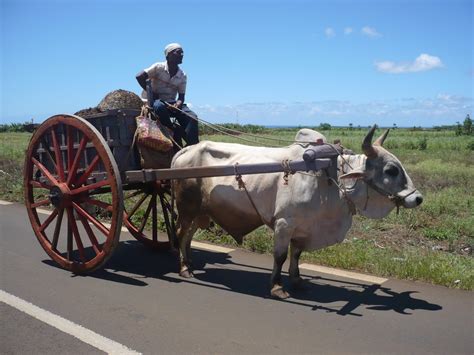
x=178, y=104
x=141, y=78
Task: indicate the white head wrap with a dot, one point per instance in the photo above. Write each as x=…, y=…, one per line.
x=171, y=47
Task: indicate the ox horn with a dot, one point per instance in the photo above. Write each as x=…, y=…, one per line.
x=367, y=144
x=379, y=141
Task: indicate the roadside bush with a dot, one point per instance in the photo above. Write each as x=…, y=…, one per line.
x=325, y=126
x=470, y=145
x=422, y=143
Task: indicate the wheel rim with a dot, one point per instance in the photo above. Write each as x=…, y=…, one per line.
x=70, y=171
x=143, y=218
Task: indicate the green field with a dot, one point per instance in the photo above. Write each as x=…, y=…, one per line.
x=432, y=243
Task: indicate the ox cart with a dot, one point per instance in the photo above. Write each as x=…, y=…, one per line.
x=83, y=180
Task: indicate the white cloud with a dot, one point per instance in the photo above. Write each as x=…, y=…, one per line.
x=329, y=32
x=406, y=112
x=348, y=30
x=370, y=32
x=423, y=62
x=444, y=97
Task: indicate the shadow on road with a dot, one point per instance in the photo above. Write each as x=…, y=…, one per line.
x=132, y=258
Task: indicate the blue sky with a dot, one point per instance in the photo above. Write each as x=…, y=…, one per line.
x=287, y=62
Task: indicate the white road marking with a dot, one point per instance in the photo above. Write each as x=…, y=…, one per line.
x=40, y=210
x=343, y=273
x=211, y=247
x=123, y=229
x=5, y=203
x=87, y=336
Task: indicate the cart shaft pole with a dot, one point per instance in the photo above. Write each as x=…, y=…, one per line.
x=147, y=175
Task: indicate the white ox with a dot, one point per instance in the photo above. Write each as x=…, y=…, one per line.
x=309, y=212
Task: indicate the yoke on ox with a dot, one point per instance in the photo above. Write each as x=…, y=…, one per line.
x=306, y=210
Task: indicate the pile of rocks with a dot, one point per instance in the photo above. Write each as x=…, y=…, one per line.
x=117, y=99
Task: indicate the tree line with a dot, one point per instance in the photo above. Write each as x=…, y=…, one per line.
x=465, y=128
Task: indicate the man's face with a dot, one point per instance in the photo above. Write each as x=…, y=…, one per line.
x=176, y=56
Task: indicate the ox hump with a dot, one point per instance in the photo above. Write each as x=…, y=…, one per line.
x=308, y=135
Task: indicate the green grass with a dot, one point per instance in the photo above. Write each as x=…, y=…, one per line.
x=12, y=155
x=409, y=263
x=432, y=243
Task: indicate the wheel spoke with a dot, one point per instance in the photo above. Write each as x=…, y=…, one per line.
x=40, y=185
x=72, y=169
x=57, y=229
x=48, y=220
x=75, y=233
x=70, y=147
x=89, y=170
x=165, y=209
x=137, y=205
x=91, y=219
x=154, y=217
x=133, y=194
x=106, y=206
x=58, y=155
x=165, y=203
x=47, y=152
x=69, y=239
x=40, y=203
x=45, y=172
x=93, y=186
x=91, y=235
x=146, y=215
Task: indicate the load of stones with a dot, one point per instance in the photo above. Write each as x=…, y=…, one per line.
x=117, y=99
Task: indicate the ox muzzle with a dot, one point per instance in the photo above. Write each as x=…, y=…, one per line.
x=409, y=198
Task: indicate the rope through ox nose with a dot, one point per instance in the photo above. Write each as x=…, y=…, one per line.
x=395, y=198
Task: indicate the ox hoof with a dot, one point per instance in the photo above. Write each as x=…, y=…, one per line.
x=186, y=273
x=279, y=293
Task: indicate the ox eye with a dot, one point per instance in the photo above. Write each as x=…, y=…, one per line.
x=392, y=171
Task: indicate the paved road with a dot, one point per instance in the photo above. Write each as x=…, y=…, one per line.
x=140, y=302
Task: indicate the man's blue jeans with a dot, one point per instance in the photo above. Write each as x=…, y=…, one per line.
x=189, y=125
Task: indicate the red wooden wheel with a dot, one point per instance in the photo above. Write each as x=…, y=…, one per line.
x=143, y=217
x=73, y=193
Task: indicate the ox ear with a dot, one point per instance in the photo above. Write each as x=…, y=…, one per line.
x=353, y=175
x=379, y=141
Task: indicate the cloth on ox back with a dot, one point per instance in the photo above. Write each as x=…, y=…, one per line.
x=308, y=135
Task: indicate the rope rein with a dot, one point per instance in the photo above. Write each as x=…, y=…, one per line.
x=398, y=200
x=228, y=131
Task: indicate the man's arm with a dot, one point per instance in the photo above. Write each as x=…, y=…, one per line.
x=141, y=78
x=179, y=103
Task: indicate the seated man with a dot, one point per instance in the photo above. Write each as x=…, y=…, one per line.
x=167, y=82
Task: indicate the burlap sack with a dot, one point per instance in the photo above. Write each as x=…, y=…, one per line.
x=153, y=159
x=154, y=142
x=152, y=134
